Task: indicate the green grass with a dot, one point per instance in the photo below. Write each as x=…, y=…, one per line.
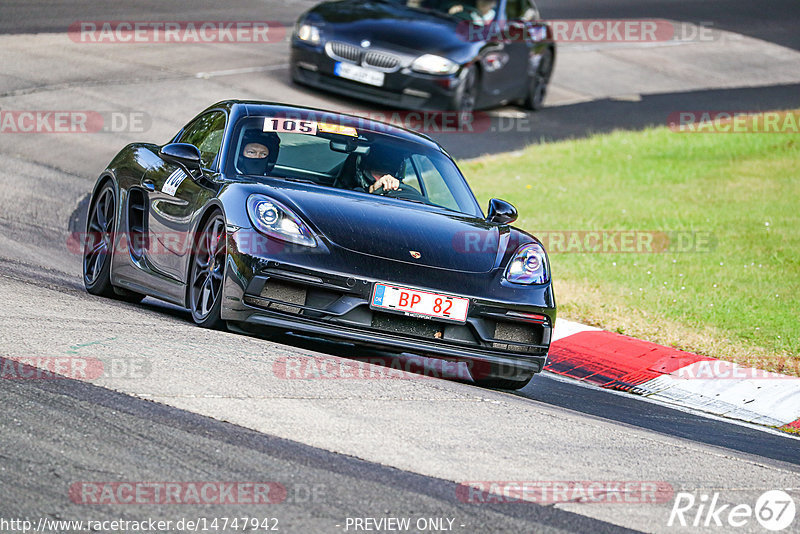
x=739, y=301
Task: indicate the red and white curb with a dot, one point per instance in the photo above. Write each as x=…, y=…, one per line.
x=623, y=363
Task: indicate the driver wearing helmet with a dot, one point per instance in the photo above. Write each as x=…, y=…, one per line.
x=259, y=153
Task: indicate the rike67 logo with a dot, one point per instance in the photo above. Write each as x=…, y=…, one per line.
x=774, y=510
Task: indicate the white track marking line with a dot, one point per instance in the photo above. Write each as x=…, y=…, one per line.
x=243, y=70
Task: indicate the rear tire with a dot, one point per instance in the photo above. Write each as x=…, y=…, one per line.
x=97, y=251
x=100, y=243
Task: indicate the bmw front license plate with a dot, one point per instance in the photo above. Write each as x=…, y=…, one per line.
x=417, y=303
x=359, y=74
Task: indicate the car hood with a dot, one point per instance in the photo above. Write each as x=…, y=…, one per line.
x=388, y=25
x=397, y=230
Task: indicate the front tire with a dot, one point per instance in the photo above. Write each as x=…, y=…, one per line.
x=537, y=85
x=207, y=274
x=466, y=95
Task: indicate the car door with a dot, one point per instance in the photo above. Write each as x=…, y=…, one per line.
x=174, y=197
x=504, y=59
x=535, y=34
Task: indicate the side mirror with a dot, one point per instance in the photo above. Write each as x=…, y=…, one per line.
x=183, y=154
x=501, y=212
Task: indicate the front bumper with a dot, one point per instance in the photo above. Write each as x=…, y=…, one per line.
x=404, y=89
x=319, y=296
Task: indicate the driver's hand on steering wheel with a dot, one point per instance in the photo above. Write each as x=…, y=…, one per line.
x=387, y=182
x=458, y=8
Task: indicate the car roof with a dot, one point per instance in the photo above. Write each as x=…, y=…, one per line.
x=251, y=108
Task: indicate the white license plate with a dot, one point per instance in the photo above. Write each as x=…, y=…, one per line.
x=359, y=74
x=418, y=303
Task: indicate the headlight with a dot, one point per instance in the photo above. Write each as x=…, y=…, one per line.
x=431, y=64
x=528, y=266
x=272, y=218
x=308, y=33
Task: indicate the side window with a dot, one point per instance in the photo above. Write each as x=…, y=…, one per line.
x=206, y=134
x=409, y=177
x=434, y=183
x=515, y=8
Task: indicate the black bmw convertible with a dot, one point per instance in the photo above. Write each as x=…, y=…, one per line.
x=265, y=217
x=426, y=54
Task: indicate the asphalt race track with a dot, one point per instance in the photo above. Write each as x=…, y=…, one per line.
x=187, y=404
x=644, y=96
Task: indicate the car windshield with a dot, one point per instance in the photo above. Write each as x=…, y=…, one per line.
x=476, y=11
x=347, y=158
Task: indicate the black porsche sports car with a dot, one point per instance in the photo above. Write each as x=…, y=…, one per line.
x=266, y=217
x=426, y=54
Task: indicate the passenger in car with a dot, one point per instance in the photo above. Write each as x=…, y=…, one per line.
x=483, y=13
